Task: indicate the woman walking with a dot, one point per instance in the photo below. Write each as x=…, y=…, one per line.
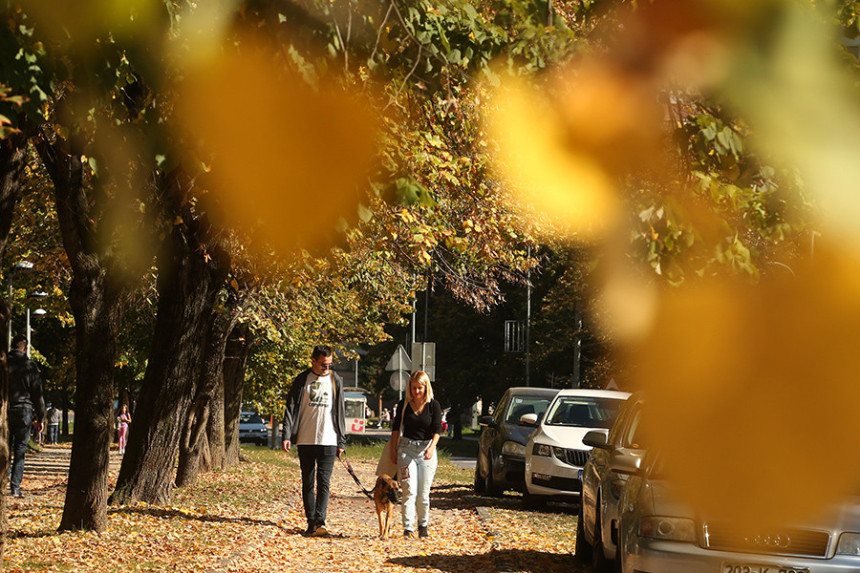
x=124, y=419
x=414, y=451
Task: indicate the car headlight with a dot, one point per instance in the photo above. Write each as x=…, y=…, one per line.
x=541, y=450
x=513, y=449
x=667, y=528
x=849, y=544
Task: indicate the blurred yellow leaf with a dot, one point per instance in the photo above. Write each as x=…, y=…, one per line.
x=287, y=160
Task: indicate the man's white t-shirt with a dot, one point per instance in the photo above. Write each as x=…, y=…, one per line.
x=315, y=424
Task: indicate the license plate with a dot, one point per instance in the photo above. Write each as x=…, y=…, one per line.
x=750, y=568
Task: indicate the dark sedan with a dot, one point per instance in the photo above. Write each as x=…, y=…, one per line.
x=502, y=445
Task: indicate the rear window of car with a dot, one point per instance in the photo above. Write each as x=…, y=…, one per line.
x=250, y=419
x=521, y=405
x=583, y=412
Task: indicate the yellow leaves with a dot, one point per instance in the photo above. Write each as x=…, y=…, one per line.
x=565, y=185
x=759, y=375
x=406, y=216
x=290, y=162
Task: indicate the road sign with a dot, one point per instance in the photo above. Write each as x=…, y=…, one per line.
x=424, y=358
x=399, y=380
x=399, y=360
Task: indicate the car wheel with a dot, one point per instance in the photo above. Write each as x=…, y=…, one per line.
x=531, y=501
x=599, y=562
x=480, y=486
x=582, y=550
x=491, y=487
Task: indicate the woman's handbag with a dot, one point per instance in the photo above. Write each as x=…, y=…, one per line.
x=385, y=465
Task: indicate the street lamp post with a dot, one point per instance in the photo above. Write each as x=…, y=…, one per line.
x=19, y=266
x=38, y=313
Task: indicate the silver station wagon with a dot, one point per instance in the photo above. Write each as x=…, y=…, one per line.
x=658, y=534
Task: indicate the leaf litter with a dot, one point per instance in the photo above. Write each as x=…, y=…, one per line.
x=249, y=518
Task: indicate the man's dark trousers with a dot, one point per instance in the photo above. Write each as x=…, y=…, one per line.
x=317, y=463
x=20, y=419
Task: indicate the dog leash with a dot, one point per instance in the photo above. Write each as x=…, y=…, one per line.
x=351, y=471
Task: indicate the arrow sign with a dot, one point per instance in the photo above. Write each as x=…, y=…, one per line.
x=399, y=360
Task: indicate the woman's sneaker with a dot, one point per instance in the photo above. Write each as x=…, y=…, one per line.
x=320, y=531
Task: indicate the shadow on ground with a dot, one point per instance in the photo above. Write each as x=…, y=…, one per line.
x=504, y=560
x=462, y=496
x=165, y=513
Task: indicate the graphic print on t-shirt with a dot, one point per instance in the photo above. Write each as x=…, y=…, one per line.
x=318, y=393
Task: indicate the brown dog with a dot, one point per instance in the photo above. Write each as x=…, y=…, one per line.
x=384, y=497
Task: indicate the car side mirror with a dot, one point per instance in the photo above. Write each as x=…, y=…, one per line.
x=529, y=419
x=597, y=439
x=626, y=464
x=485, y=421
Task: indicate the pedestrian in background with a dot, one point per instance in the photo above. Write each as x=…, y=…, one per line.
x=123, y=422
x=314, y=421
x=53, y=420
x=26, y=406
x=416, y=451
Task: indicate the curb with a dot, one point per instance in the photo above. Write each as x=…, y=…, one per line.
x=501, y=565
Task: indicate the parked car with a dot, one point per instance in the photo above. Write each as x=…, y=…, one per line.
x=502, y=444
x=660, y=534
x=252, y=429
x=597, y=526
x=555, y=453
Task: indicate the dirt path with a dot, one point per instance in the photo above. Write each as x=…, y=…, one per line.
x=458, y=539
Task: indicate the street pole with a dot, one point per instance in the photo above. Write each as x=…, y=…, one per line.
x=9, y=333
x=427, y=304
x=528, y=320
x=577, y=345
x=19, y=266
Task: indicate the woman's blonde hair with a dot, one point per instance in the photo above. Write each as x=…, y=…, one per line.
x=420, y=376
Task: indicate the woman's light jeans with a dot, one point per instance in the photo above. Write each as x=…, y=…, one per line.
x=415, y=487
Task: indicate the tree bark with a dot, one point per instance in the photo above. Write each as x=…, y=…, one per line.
x=98, y=296
x=239, y=344
x=13, y=155
x=190, y=274
x=197, y=453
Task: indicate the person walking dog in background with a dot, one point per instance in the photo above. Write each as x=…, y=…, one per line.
x=314, y=421
x=26, y=406
x=415, y=451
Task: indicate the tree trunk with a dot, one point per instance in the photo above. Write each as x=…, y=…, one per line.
x=98, y=298
x=195, y=452
x=13, y=154
x=190, y=274
x=215, y=430
x=235, y=357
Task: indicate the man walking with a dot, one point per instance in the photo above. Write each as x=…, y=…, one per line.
x=314, y=421
x=26, y=406
x=55, y=416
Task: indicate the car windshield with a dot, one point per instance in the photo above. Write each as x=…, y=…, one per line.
x=583, y=412
x=245, y=418
x=521, y=405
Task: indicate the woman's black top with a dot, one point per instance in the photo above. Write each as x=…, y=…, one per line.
x=419, y=426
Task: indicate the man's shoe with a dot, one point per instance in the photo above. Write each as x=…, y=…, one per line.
x=320, y=531
x=309, y=531
x=422, y=531
x=17, y=493
x=408, y=534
